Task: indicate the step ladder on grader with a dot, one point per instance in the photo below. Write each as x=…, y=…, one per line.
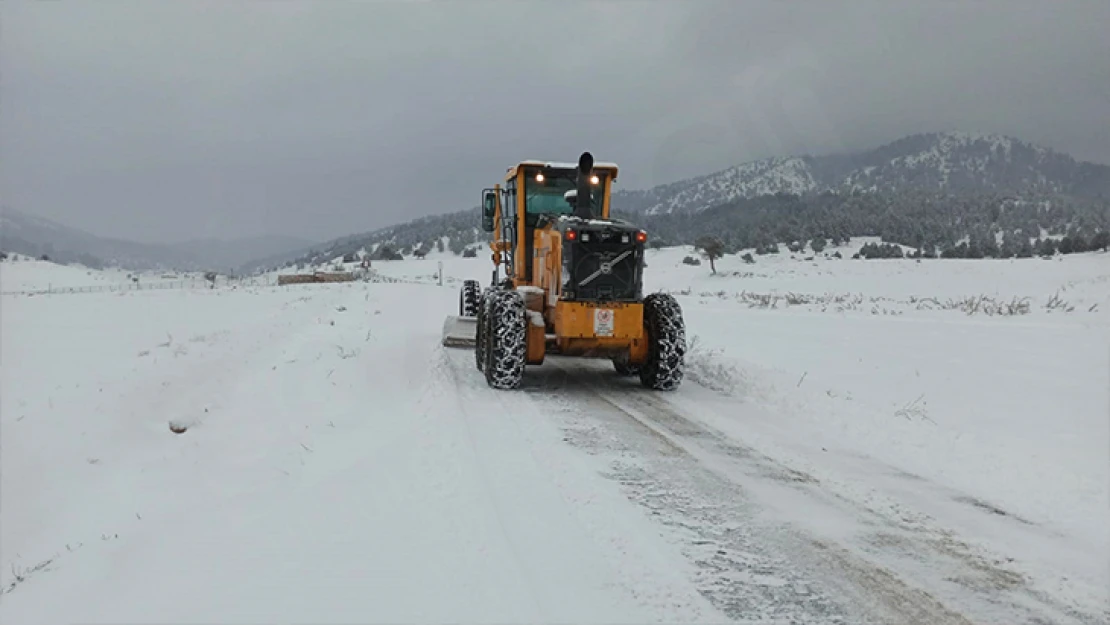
x=573, y=283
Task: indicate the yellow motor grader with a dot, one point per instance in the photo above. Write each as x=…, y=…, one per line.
x=573, y=283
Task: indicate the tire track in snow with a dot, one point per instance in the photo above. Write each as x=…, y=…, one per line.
x=713, y=480
x=900, y=536
x=744, y=565
x=509, y=431
x=443, y=372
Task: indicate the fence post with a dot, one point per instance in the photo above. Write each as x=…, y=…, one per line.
x=441, y=273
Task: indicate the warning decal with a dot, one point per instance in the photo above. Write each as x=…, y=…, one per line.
x=603, y=322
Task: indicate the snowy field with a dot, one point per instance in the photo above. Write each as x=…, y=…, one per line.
x=32, y=275
x=883, y=441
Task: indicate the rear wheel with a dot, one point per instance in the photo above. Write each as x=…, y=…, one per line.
x=468, y=299
x=507, y=340
x=666, y=334
x=481, y=330
x=624, y=368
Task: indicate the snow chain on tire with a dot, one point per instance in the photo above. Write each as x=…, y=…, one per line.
x=481, y=348
x=666, y=334
x=507, y=340
x=468, y=299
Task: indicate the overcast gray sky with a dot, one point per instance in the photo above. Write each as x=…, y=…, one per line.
x=167, y=120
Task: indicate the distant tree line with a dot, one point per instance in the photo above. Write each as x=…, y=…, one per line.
x=937, y=224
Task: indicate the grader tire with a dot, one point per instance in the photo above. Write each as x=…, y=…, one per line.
x=624, y=369
x=468, y=299
x=507, y=340
x=666, y=333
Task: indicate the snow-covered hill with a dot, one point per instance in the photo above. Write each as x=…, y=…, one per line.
x=767, y=177
x=907, y=178
x=943, y=161
x=454, y=234
x=37, y=236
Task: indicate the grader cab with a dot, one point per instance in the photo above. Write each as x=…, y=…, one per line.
x=572, y=283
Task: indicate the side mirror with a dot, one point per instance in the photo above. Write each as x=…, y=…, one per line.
x=489, y=209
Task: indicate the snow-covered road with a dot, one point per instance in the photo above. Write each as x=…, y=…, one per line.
x=340, y=465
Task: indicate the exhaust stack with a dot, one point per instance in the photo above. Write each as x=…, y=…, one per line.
x=583, y=202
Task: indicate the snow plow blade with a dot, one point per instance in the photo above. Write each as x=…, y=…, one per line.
x=460, y=331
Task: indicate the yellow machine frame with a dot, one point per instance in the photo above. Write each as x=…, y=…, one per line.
x=519, y=319
x=568, y=327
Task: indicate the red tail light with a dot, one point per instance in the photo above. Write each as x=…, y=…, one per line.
x=571, y=235
x=641, y=237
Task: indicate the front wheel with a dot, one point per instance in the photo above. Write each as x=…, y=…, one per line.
x=666, y=334
x=506, y=336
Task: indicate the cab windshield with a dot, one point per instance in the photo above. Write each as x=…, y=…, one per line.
x=546, y=196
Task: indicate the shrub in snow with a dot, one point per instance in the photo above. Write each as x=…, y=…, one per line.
x=690, y=260
x=747, y=258
x=885, y=250
x=470, y=253
x=1101, y=241
x=1055, y=303
x=386, y=252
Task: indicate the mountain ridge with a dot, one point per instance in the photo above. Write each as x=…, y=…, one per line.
x=924, y=168
x=36, y=236
x=917, y=172
x=951, y=161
